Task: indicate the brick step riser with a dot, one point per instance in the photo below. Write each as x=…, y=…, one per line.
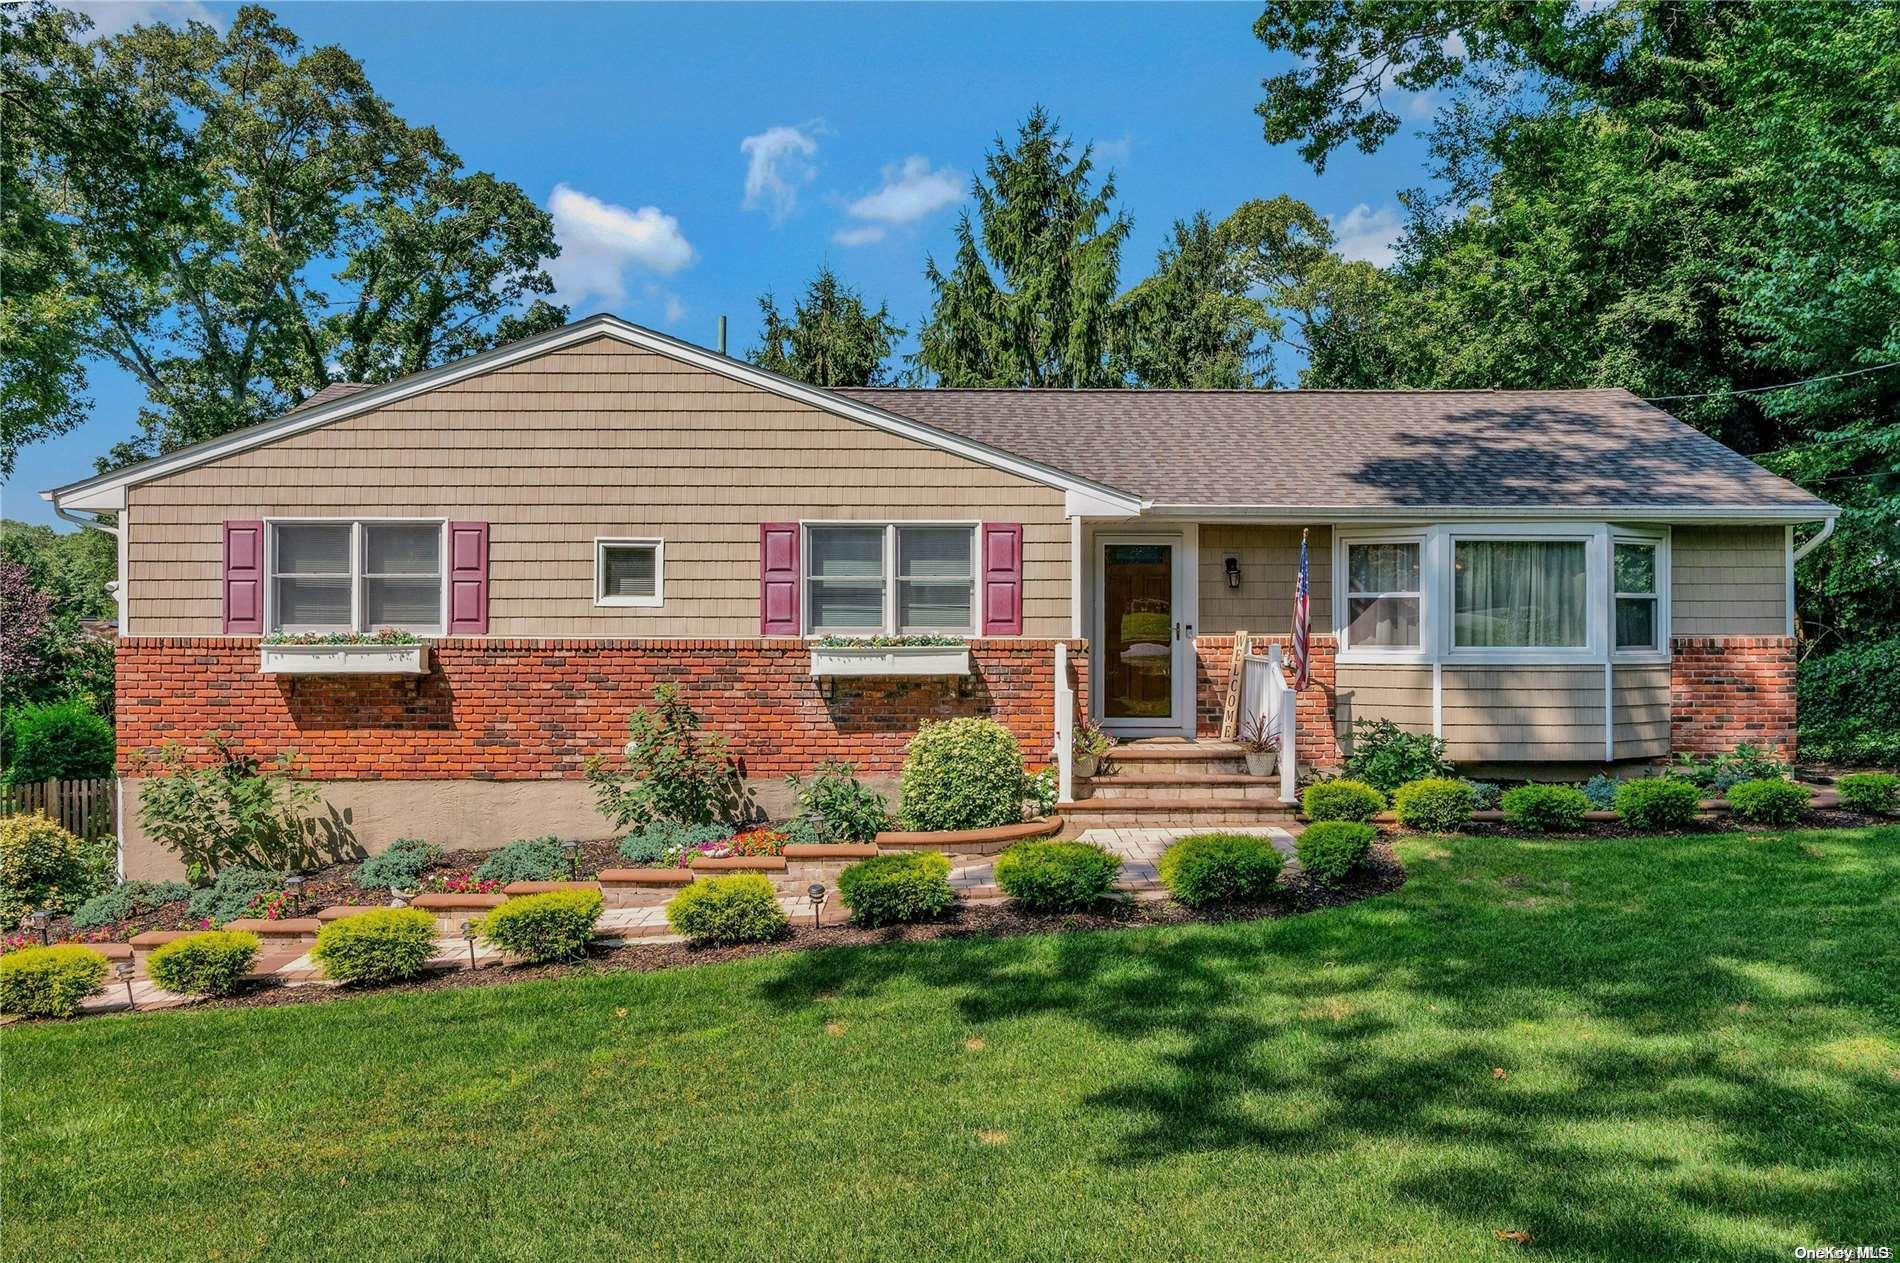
x=1186, y=769
x=1106, y=790
x=1075, y=825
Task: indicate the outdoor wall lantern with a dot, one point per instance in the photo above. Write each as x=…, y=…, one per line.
x=1233, y=571
x=817, y=892
x=468, y=932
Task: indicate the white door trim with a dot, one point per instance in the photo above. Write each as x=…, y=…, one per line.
x=1181, y=721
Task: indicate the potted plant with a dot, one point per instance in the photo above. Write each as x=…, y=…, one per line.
x=1091, y=743
x=1260, y=744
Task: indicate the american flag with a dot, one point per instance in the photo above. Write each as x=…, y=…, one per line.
x=1302, y=626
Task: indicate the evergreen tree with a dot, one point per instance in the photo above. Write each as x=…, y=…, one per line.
x=1192, y=325
x=832, y=339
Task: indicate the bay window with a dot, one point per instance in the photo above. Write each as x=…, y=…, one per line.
x=890, y=579
x=1638, y=617
x=355, y=576
x=1520, y=594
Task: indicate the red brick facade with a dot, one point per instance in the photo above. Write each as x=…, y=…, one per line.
x=1725, y=690
x=536, y=709
x=1316, y=740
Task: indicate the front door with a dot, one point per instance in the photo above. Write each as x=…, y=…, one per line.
x=1138, y=621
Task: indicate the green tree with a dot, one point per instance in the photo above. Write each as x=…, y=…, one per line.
x=54, y=582
x=1192, y=324
x=832, y=339
x=1030, y=298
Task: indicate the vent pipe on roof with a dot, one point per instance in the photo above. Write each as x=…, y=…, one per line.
x=722, y=335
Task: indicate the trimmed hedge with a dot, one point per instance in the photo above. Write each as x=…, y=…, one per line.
x=1057, y=876
x=1772, y=801
x=387, y=945
x=1545, y=808
x=1871, y=792
x=898, y=888
x=1436, y=804
x=721, y=911
x=399, y=867
x=1657, y=802
x=1341, y=800
x=212, y=963
x=1330, y=850
x=1211, y=868
x=557, y=925
x=49, y=981
x=962, y=774
x=43, y=866
x=63, y=741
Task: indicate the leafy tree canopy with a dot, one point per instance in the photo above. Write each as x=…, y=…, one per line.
x=832, y=338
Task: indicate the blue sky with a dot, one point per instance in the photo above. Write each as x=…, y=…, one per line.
x=696, y=156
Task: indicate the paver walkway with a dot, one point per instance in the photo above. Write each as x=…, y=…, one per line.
x=1140, y=850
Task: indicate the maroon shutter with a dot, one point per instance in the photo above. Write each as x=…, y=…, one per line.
x=778, y=579
x=468, y=578
x=243, y=578
x=1002, y=578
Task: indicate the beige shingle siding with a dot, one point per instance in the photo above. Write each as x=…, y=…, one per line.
x=1729, y=581
x=1523, y=713
x=1269, y=566
x=1639, y=706
x=596, y=440
x=1402, y=694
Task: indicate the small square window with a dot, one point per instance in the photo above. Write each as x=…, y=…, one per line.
x=628, y=571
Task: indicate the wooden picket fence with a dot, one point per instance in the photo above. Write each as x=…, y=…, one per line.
x=85, y=807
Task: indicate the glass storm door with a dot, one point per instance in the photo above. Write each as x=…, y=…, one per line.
x=1140, y=636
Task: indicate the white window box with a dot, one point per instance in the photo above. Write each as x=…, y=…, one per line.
x=345, y=659
x=891, y=660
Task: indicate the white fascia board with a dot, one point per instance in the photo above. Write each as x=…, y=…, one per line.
x=1714, y=515
x=106, y=499
x=90, y=492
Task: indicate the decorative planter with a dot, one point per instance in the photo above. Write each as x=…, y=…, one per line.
x=1087, y=764
x=1261, y=762
x=891, y=660
x=345, y=659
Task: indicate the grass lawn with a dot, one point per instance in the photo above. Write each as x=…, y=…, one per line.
x=1657, y=1048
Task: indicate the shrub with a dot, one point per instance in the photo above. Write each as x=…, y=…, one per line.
x=1769, y=801
x=1657, y=802
x=212, y=963
x=1601, y=791
x=1209, y=868
x=230, y=894
x=898, y=888
x=1330, y=850
x=236, y=813
x=661, y=842
x=1484, y=794
x=1436, y=804
x=530, y=859
x=675, y=769
x=1057, y=876
x=1719, y=771
x=1869, y=791
x=1385, y=756
x=836, y=801
x=1341, y=800
x=962, y=774
x=49, y=981
x=126, y=900
x=57, y=741
x=1545, y=808
x=557, y=925
x=43, y=866
x=387, y=945
x=1848, y=703
x=400, y=866
x=720, y=911
x=1041, y=792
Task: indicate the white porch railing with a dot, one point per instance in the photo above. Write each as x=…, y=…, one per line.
x=1267, y=699
x=1065, y=727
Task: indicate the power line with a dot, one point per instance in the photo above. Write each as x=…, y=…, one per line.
x=1756, y=390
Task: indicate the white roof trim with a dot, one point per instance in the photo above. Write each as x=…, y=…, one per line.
x=1708, y=513
x=107, y=491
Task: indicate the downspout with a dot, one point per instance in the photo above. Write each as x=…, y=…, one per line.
x=1827, y=529
x=117, y=588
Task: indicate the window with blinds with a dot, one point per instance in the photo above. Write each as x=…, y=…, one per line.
x=627, y=571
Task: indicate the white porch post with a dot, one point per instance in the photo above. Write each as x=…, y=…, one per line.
x=1065, y=727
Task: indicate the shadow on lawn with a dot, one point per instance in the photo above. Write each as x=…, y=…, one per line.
x=1619, y=1012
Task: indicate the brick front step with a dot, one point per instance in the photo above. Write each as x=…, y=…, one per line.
x=1169, y=785
x=1177, y=759
x=1159, y=812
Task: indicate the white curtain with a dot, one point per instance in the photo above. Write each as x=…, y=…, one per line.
x=1521, y=593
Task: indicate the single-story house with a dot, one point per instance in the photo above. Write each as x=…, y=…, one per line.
x=1549, y=580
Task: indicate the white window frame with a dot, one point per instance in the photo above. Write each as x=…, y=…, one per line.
x=888, y=576
x=359, y=565
x=1659, y=540
x=1342, y=581
x=1596, y=589
x=601, y=544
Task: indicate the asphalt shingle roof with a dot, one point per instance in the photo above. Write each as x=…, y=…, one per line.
x=1359, y=449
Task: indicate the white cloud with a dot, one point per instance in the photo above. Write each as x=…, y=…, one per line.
x=911, y=191
x=778, y=162
x=1107, y=151
x=863, y=235
x=1364, y=233
x=675, y=309
x=600, y=241
x=109, y=17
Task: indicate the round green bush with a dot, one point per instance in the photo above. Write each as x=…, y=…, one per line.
x=1210, y=868
x=63, y=741
x=1657, y=802
x=557, y=925
x=1773, y=801
x=399, y=867
x=212, y=963
x=962, y=774
x=1872, y=792
x=720, y=911
x=1436, y=804
x=1057, y=876
x=898, y=888
x=530, y=859
x=1331, y=849
x=126, y=900
x=49, y=981
x=386, y=945
x=43, y=866
x=1341, y=800
x=1545, y=808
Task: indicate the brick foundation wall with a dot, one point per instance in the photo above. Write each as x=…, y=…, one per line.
x=1724, y=690
x=1316, y=740
x=537, y=709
